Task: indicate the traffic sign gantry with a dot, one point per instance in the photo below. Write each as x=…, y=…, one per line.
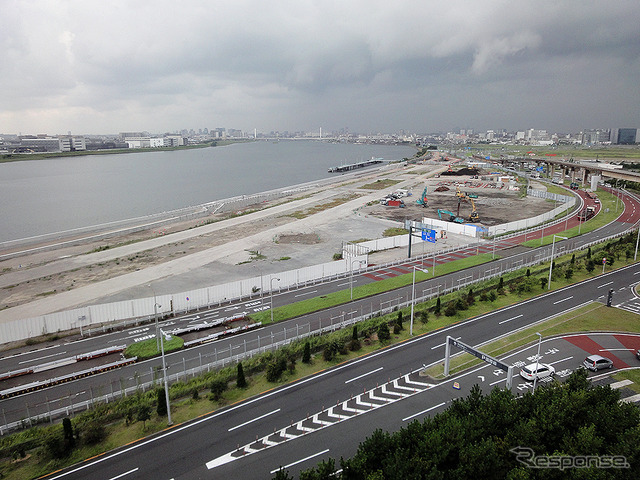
x=476, y=353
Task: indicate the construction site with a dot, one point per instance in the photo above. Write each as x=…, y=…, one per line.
x=464, y=195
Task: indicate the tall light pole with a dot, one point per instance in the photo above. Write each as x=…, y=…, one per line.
x=553, y=244
x=166, y=384
x=271, y=292
x=413, y=295
x=537, y=361
x=494, y=241
x=351, y=277
x=155, y=311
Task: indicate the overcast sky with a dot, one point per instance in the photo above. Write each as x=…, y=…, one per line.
x=92, y=67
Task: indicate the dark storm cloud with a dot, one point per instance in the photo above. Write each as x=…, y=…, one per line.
x=92, y=66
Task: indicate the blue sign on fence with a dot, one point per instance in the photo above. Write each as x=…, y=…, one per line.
x=429, y=235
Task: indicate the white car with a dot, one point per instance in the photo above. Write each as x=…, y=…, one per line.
x=543, y=370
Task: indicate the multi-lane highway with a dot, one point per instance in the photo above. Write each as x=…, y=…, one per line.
x=330, y=413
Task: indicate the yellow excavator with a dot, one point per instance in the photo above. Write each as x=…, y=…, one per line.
x=462, y=196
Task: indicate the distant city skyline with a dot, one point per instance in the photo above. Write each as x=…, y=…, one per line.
x=370, y=66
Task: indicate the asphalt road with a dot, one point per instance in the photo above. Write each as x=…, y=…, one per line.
x=269, y=431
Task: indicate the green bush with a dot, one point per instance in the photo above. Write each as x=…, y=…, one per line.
x=383, y=332
x=218, y=387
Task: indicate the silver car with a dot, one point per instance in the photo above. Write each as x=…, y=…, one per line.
x=597, y=362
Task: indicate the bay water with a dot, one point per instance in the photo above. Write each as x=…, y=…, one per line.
x=55, y=195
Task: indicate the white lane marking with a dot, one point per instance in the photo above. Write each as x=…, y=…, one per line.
x=363, y=375
x=125, y=473
x=344, y=284
x=558, y=361
x=443, y=344
x=509, y=319
x=253, y=420
x=424, y=411
x=300, y=461
x=604, y=284
x=306, y=293
x=498, y=381
x=41, y=358
x=563, y=300
x=637, y=273
x=616, y=350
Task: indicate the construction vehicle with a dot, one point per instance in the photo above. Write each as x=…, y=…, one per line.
x=452, y=216
x=392, y=202
x=474, y=217
x=463, y=196
x=423, y=198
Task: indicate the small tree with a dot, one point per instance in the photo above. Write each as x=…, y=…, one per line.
x=528, y=272
x=306, y=354
x=424, y=316
x=470, y=297
x=492, y=296
x=399, y=321
x=241, y=382
x=383, y=332
x=438, y=306
x=500, y=288
x=68, y=437
x=543, y=282
x=354, y=345
x=568, y=273
x=573, y=259
x=451, y=310
x=161, y=407
x=144, y=414
x=589, y=253
x=218, y=386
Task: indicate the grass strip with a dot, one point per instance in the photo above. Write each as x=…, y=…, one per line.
x=344, y=296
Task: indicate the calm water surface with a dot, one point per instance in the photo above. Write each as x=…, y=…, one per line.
x=45, y=196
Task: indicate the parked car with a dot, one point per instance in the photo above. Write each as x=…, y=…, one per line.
x=638, y=354
x=541, y=370
x=597, y=362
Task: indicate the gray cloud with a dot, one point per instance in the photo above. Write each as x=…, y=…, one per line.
x=91, y=67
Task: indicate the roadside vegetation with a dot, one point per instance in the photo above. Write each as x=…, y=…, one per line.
x=496, y=435
x=36, y=451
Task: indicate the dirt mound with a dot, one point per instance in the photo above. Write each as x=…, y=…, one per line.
x=442, y=189
x=462, y=171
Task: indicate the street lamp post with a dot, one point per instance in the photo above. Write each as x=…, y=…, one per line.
x=166, y=383
x=553, y=244
x=271, y=292
x=535, y=378
x=413, y=295
x=495, y=234
x=351, y=276
x=155, y=312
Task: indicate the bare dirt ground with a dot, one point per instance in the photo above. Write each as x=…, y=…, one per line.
x=33, y=276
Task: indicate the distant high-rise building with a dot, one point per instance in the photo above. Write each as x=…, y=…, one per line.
x=625, y=136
